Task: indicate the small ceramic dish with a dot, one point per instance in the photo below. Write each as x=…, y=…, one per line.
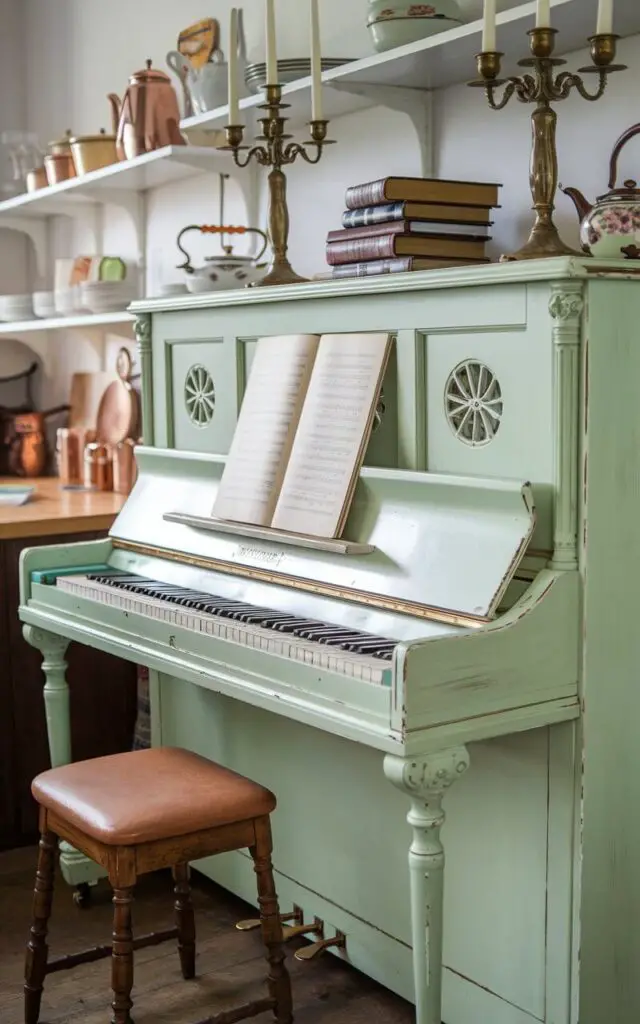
x=398, y=24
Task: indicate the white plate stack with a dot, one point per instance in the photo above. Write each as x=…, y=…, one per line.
x=16, y=307
x=106, y=296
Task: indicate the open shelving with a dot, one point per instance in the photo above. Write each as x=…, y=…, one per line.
x=87, y=320
x=400, y=79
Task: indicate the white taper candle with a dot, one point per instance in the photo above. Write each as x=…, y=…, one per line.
x=489, y=27
x=604, y=25
x=316, y=67
x=543, y=14
x=234, y=107
x=272, y=58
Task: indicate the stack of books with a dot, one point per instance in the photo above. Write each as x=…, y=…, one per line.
x=396, y=225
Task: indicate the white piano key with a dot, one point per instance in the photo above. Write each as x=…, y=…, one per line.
x=355, y=666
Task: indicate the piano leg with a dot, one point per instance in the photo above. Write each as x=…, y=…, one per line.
x=56, y=691
x=76, y=868
x=425, y=779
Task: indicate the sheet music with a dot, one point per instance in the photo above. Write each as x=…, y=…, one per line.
x=332, y=434
x=266, y=427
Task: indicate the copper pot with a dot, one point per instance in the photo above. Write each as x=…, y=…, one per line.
x=35, y=179
x=148, y=116
x=59, y=167
x=124, y=467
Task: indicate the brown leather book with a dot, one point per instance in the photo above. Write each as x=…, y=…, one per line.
x=421, y=190
x=400, y=265
x=389, y=212
x=386, y=246
x=411, y=227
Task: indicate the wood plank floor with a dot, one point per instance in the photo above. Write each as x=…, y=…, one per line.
x=230, y=964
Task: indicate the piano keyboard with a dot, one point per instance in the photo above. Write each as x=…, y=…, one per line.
x=325, y=645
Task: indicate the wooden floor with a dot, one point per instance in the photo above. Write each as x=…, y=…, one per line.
x=230, y=964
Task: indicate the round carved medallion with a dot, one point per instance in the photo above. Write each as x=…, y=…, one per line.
x=199, y=395
x=473, y=403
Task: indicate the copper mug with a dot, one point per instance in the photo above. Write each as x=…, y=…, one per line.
x=98, y=466
x=71, y=443
x=124, y=466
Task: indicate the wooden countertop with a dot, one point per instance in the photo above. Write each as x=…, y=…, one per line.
x=52, y=511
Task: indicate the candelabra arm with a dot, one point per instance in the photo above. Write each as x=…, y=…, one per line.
x=567, y=81
x=490, y=93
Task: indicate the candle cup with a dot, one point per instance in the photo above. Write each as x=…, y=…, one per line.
x=542, y=42
x=603, y=49
x=489, y=63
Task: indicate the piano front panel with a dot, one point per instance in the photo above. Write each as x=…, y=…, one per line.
x=222, y=339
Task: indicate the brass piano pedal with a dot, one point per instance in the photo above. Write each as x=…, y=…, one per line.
x=253, y=923
x=314, y=950
x=317, y=928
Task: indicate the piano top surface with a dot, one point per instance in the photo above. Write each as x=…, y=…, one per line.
x=524, y=271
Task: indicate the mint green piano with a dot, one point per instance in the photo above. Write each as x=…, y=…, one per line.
x=479, y=600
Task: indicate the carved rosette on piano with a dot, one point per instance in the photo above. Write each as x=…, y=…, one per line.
x=450, y=617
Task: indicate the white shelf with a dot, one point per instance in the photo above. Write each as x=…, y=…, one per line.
x=445, y=59
x=112, y=184
x=66, y=323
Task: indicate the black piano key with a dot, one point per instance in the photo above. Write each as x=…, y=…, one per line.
x=372, y=649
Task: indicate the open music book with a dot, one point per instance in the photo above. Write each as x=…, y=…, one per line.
x=302, y=432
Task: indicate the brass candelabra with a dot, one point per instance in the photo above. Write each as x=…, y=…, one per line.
x=543, y=87
x=276, y=151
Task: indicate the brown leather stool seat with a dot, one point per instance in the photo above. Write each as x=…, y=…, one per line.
x=137, y=812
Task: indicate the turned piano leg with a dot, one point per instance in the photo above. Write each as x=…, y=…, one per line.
x=425, y=780
x=76, y=869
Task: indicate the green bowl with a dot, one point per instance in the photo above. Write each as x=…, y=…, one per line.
x=392, y=26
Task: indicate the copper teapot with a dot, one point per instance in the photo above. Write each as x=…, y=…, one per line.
x=148, y=116
x=610, y=228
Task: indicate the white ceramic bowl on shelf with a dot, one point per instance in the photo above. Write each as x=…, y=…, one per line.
x=398, y=23
x=44, y=305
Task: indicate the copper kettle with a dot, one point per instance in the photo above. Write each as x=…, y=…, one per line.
x=148, y=116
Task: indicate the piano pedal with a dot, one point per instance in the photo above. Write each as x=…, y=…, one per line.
x=339, y=940
x=317, y=928
x=253, y=923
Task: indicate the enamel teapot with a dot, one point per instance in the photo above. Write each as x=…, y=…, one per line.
x=226, y=270
x=610, y=229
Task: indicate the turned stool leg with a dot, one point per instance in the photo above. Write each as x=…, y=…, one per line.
x=37, y=949
x=185, y=921
x=122, y=956
x=278, y=980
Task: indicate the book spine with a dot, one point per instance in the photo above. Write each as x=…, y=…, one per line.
x=373, y=215
x=357, y=249
x=400, y=265
x=369, y=194
x=399, y=227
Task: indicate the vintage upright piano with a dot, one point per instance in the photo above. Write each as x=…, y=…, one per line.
x=481, y=599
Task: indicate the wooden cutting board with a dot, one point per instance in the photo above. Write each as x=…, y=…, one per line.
x=87, y=390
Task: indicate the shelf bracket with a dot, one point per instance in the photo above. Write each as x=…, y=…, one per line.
x=36, y=230
x=417, y=104
x=132, y=203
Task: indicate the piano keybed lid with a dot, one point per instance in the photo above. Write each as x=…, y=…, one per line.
x=443, y=546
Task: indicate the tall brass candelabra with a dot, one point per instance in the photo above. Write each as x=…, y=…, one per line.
x=543, y=87
x=275, y=151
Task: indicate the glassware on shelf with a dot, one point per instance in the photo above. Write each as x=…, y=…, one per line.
x=20, y=155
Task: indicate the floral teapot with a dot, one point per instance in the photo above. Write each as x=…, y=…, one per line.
x=610, y=229
x=226, y=270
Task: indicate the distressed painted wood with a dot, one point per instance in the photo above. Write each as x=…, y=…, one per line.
x=425, y=780
x=520, y=906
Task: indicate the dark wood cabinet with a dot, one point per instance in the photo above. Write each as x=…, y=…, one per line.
x=102, y=694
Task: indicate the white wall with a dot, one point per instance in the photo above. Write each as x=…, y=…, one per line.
x=79, y=50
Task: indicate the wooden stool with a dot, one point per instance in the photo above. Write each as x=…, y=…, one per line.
x=138, y=812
